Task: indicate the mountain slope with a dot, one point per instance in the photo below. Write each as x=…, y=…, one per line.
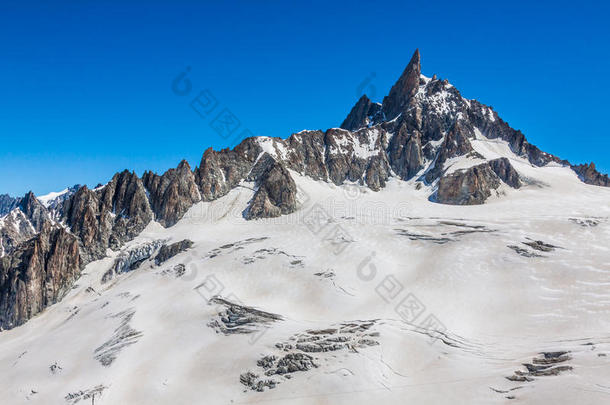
x=429, y=194
x=149, y=335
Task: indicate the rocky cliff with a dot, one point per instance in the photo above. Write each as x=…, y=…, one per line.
x=172, y=193
x=588, y=174
x=476, y=184
x=39, y=273
x=275, y=193
x=108, y=216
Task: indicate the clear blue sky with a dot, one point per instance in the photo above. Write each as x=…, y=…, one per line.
x=87, y=85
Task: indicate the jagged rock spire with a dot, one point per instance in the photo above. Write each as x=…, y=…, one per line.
x=404, y=89
x=172, y=193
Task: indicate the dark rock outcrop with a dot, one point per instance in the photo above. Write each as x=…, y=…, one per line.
x=39, y=273
x=363, y=113
x=506, y=172
x=467, y=187
x=589, y=174
x=405, y=153
x=172, y=194
x=166, y=252
x=545, y=365
x=219, y=172
x=306, y=154
x=474, y=185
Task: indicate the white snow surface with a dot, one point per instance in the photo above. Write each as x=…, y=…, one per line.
x=498, y=309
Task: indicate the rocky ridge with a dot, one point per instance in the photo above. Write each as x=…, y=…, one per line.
x=422, y=127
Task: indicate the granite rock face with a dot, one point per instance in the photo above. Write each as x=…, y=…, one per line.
x=404, y=89
x=405, y=153
x=467, y=187
x=306, y=153
x=43, y=258
x=108, y=216
x=275, y=195
x=172, y=194
x=219, y=172
x=506, y=172
x=39, y=273
x=474, y=185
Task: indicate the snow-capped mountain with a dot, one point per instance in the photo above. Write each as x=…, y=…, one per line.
x=424, y=251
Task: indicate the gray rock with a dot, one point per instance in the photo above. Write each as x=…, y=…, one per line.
x=405, y=153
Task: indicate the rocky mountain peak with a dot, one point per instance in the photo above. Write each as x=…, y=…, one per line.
x=7, y=204
x=172, y=193
x=404, y=89
x=183, y=166
x=589, y=174
x=363, y=113
x=34, y=210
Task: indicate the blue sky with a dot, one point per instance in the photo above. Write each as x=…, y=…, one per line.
x=87, y=85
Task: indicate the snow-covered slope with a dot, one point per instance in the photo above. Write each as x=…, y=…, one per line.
x=413, y=301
